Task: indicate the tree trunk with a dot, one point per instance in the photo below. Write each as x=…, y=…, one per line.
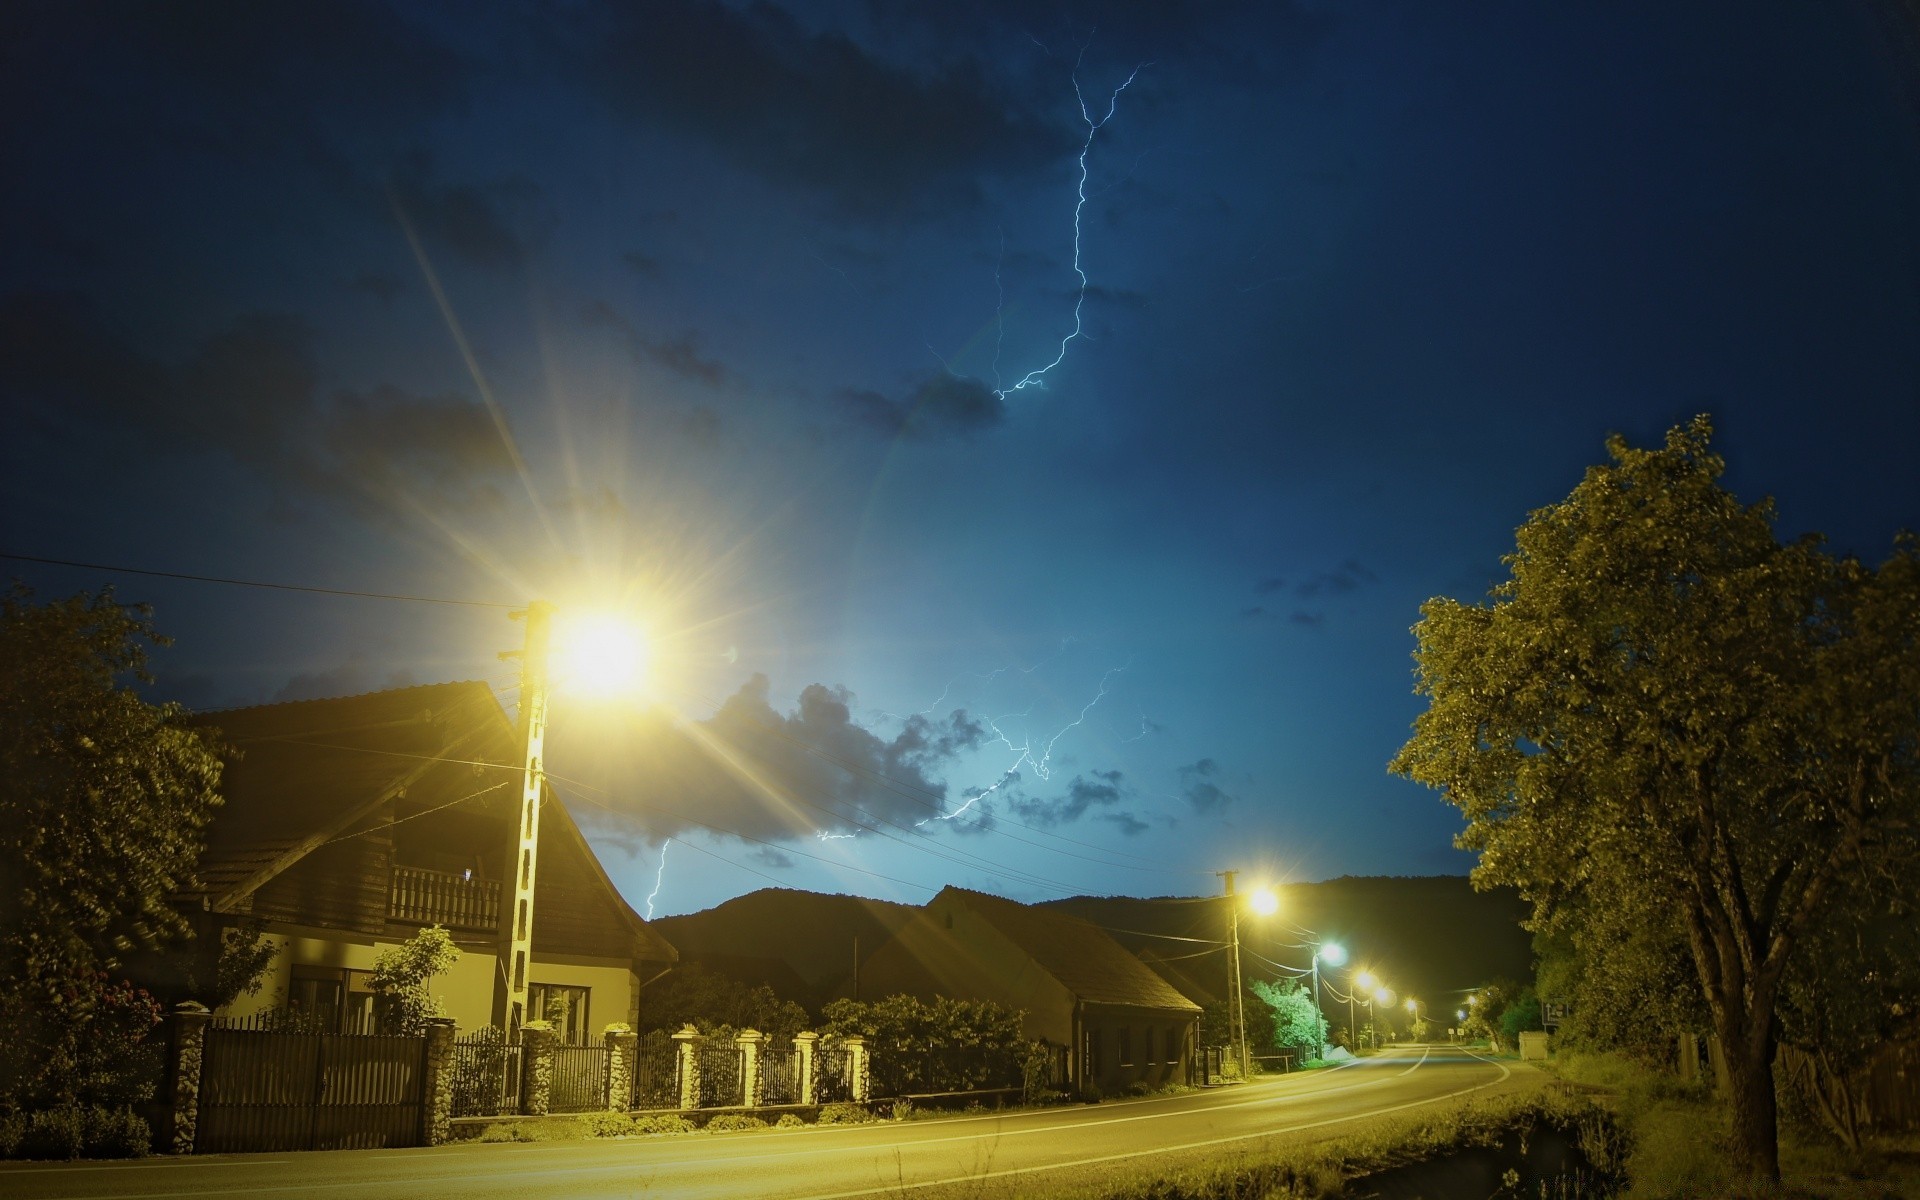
x=1748, y=1042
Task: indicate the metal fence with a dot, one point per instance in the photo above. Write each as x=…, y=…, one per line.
x=720, y=1071
x=486, y=1074
x=656, y=1072
x=274, y=1090
x=780, y=1076
x=579, y=1078
x=835, y=1081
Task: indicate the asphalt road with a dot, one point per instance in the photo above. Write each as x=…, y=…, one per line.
x=1026, y=1154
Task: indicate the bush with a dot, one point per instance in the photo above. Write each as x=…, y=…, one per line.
x=844, y=1114
x=734, y=1123
x=662, y=1123
x=54, y=1133
x=116, y=1133
x=499, y=1133
x=553, y=1129
x=943, y=1045
x=789, y=1121
x=606, y=1124
x=13, y=1127
x=902, y=1109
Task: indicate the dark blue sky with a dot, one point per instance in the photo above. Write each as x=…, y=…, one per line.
x=717, y=311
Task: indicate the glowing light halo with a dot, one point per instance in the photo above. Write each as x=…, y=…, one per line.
x=1333, y=954
x=1263, y=901
x=597, y=653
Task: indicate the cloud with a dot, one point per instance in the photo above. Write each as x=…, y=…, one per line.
x=252, y=394
x=350, y=680
x=1126, y=823
x=679, y=353
x=373, y=283
x=815, y=109
x=752, y=769
x=1102, y=791
x=644, y=265
x=941, y=405
x=767, y=856
x=1198, y=789
x=491, y=224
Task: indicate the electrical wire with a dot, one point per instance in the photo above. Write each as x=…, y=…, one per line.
x=254, y=583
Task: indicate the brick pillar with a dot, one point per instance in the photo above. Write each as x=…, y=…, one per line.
x=690, y=1040
x=190, y=1044
x=436, y=1093
x=747, y=1041
x=808, y=1044
x=857, y=1079
x=623, y=1053
x=537, y=1041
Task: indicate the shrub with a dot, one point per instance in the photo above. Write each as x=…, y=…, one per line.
x=54, y=1133
x=844, y=1114
x=606, y=1124
x=553, y=1129
x=789, y=1121
x=499, y=1133
x=13, y=1127
x=662, y=1123
x=116, y=1133
x=902, y=1108
x=734, y=1123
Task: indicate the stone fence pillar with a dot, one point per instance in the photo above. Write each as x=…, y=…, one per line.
x=808, y=1044
x=623, y=1053
x=537, y=1042
x=857, y=1078
x=436, y=1091
x=747, y=1041
x=190, y=1043
x=690, y=1040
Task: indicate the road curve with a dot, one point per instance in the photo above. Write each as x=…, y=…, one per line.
x=1015, y=1154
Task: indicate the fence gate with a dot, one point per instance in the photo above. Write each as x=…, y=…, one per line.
x=656, y=1076
x=579, y=1078
x=266, y=1090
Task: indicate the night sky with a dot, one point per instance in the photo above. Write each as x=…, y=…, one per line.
x=721, y=313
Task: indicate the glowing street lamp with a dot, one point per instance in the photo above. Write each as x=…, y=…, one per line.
x=1264, y=903
x=593, y=653
x=1334, y=954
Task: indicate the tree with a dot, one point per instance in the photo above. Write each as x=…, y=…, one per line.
x=694, y=995
x=403, y=978
x=1666, y=709
x=103, y=803
x=1297, y=1024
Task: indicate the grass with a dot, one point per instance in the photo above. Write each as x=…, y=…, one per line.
x=1680, y=1141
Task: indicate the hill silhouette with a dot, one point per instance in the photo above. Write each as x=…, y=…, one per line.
x=1432, y=937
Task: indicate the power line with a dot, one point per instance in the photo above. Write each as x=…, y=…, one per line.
x=254, y=583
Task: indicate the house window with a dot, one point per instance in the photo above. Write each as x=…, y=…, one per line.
x=1173, y=1045
x=332, y=999
x=1126, y=1046
x=1146, y=1046
x=564, y=1005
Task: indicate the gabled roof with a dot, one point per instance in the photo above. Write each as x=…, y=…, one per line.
x=314, y=772
x=1175, y=969
x=1078, y=953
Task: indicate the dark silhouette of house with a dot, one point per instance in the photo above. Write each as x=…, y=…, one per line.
x=350, y=824
x=1120, y=1022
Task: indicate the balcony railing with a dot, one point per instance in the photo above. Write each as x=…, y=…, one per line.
x=425, y=897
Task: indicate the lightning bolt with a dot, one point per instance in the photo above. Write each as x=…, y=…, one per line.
x=659, y=877
x=1036, y=378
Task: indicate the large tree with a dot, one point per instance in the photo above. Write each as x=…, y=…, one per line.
x=1667, y=709
x=103, y=800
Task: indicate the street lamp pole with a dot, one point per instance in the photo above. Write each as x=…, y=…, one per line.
x=516, y=920
x=1238, y=1012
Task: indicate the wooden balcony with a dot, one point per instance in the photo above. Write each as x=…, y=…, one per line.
x=423, y=897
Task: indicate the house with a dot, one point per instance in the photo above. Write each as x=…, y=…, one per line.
x=350, y=824
x=1078, y=988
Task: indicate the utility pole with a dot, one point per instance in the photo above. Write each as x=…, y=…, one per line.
x=516, y=920
x=1319, y=1012
x=1238, y=1009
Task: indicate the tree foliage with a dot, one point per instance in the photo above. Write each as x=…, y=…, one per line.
x=942, y=1045
x=1296, y=1024
x=1667, y=710
x=403, y=978
x=103, y=802
x=694, y=995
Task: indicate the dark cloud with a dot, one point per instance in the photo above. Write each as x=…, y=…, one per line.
x=679, y=353
x=380, y=286
x=1301, y=616
x=1350, y=576
x=1126, y=823
x=1199, y=789
x=815, y=109
x=1103, y=790
x=490, y=225
x=942, y=405
x=252, y=393
x=754, y=770
x=644, y=265
x=767, y=856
